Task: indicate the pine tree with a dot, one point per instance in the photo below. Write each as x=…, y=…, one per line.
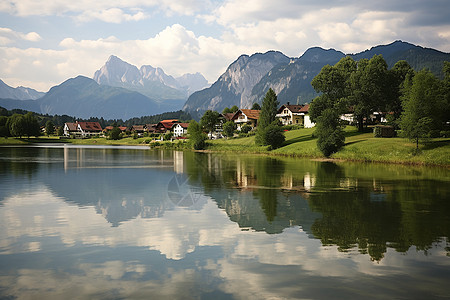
x=267, y=117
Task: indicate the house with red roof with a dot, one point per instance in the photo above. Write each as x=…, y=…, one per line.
x=295, y=115
x=89, y=128
x=246, y=116
x=165, y=126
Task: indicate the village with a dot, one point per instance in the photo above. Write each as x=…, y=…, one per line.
x=245, y=120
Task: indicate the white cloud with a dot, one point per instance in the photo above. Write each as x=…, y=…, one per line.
x=111, y=15
x=105, y=10
x=9, y=36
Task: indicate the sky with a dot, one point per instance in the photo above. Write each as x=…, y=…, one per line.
x=44, y=43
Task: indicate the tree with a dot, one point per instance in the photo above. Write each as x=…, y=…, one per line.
x=369, y=88
x=115, y=133
x=256, y=106
x=4, y=130
x=31, y=125
x=209, y=120
x=334, y=82
x=226, y=110
x=234, y=109
x=196, y=136
x=16, y=125
x=399, y=73
x=49, y=127
x=228, y=128
x=60, y=131
x=330, y=136
x=267, y=116
x=424, y=106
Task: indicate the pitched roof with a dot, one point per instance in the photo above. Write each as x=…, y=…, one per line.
x=184, y=125
x=304, y=108
x=167, y=124
x=250, y=113
x=138, y=127
x=228, y=116
x=90, y=126
x=72, y=126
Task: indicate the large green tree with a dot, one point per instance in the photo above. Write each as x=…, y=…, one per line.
x=334, y=82
x=369, y=88
x=16, y=125
x=209, y=120
x=31, y=125
x=196, y=136
x=397, y=76
x=424, y=107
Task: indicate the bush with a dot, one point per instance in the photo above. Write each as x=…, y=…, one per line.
x=246, y=128
x=273, y=136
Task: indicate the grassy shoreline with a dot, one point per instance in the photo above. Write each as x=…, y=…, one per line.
x=359, y=147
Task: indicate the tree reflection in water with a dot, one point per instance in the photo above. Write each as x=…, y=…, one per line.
x=340, y=204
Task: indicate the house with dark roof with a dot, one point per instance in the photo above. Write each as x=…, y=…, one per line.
x=70, y=129
x=179, y=129
x=246, y=116
x=295, y=115
x=150, y=128
x=89, y=128
x=165, y=126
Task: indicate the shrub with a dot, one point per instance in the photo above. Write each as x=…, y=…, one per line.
x=246, y=128
x=273, y=136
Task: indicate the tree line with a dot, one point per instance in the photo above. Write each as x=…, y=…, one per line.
x=418, y=103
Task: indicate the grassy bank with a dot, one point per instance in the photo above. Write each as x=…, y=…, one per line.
x=358, y=147
x=299, y=143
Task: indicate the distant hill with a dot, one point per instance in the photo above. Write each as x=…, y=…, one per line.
x=291, y=78
x=82, y=97
x=18, y=93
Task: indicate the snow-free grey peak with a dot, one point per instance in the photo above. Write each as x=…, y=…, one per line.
x=18, y=93
x=150, y=81
x=291, y=77
x=116, y=71
x=192, y=82
x=234, y=87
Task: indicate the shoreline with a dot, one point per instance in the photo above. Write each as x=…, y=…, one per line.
x=359, y=147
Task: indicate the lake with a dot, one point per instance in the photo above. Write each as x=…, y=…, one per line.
x=87, y=222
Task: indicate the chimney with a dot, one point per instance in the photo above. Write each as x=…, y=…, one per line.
x=288, y=103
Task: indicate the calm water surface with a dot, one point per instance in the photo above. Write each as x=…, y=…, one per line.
x=132, y=223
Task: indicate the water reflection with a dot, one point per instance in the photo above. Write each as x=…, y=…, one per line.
x=106, y=227
x=327, y=201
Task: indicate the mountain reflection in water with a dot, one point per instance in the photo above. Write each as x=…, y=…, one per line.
x=217, y=225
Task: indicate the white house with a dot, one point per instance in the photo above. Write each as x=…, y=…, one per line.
x=179, y=129
x=295, y=115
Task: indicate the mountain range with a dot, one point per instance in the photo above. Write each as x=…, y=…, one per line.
x=149, y=81
x=247, y=80
x=18, y=93
x=120, y=90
